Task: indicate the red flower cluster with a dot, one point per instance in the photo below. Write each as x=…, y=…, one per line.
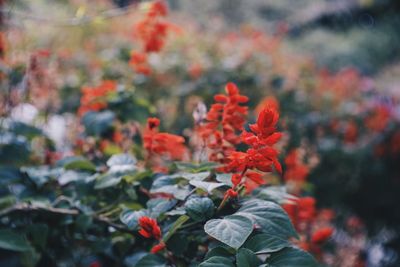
x=260, y=156
x=301, y=212
x=150, y=229
x=296, y=170
x=94, y=98
x=312, y=225
x=322, y=235
x=351, y=132
x=162, y=144
x=151, y=31
x=379, y=119
x=139, y=63
x=224, y=120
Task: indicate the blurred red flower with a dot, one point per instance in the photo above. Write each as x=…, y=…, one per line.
x=322, y=235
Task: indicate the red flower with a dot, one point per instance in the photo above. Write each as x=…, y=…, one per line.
x=162, y=144
x=351, y=132
x=303, y=210
x=231, y=193
x=322, y=235
x=157, y=248
x=149, y=228
x=158, y=8
x=94, y=98
x=261, y=155
x=306, y=208
x=151, y=30
x=224, y=120
x=139, y=63
x=296, y=170
x=379, y=119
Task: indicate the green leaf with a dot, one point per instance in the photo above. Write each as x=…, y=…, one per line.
x=217, y=261
x=107, y=180
x=71, y=176
x=169, y=185
x=29, y=131
x=206, y=186
x=291, y=257
x=218, y=251
x=269, y=216
x=158, y=206
x=177, y=224
x=224, y=178
x=276, y=194
x=265, y=243
x=42, y=175
x=247, y=258
x=130, y=218
x=11, y=240
x=81, y=164
x=132, y=260
x=199, y=209
x=121, y=163
x=200, y=176
x=39, y=233
x=97, y=123
x=151, y=260
x=232, y=230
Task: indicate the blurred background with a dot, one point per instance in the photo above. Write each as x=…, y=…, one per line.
x=332, y=65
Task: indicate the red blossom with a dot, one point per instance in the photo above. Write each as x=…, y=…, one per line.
x=379, y=119
x=157, y=248
x=162, y=144
x=302, y=210
x=94, y=98
x=321, y=235
x=149, y=228
x=231, y=193
x=261, y=155
x=296, y=170
x=225, y=121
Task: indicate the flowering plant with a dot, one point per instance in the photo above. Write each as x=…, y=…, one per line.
x=172, y=213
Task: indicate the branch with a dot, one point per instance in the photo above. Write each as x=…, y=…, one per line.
x=27, y=208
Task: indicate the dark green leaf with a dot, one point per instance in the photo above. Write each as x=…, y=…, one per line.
x=269, y=216
x=291, y=257
x=97, y=123
x=151, y=260
x=265, y=243
x=158, y=206
x=199, y=209
x=247, y=258
x=218, y=251
x=177, y=224
x=11, y=240
x=217, y=261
